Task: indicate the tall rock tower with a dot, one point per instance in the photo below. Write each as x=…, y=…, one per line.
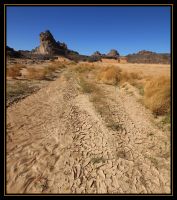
x=48, y=45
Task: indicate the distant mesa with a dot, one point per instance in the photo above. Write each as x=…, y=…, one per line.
x=149, y=57
x=144, y=52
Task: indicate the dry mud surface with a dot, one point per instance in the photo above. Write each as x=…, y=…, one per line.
x=57, y=143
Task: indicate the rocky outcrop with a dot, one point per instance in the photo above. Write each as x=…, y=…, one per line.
x=113, y=54
x=144, y=52
x=96, y=54
x=10, y=52
x=49, y=46
x=149, y=57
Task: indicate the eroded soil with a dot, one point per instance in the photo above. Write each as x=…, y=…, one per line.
x=58, y=143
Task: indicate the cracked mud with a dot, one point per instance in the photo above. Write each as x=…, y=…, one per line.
x=58, y=143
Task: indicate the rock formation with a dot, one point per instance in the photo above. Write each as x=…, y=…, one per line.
x=144, y=52
x=113, y=54
x=96, y=54
x=149, y=57
x=49, y=46
x=10, y=52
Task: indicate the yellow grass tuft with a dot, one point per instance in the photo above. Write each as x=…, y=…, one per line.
x=56, y=65
x=113, y=75
x=155, y=90
x=38, y=74
x=84, y=67
x=14, y=71
x=109, y=75
x=157, y=95
x=130, y=77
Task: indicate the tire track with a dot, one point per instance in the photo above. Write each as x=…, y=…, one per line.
x=57, y=143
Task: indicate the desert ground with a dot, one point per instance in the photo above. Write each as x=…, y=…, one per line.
x=81, y=128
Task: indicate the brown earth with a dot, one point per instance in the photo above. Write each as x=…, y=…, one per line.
x=58, y=143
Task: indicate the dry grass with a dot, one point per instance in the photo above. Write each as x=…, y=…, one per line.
x=155, y=90
x=84, y=68
x=147, y=69
x=14, y=71
x=98, y=160
x=86, y=87
x=42, y=73
x=130, y=77
x=38, y=74
x=57, y=65
x=18, y=89
x=157, y=95
x=110, y=75
x=114, y=75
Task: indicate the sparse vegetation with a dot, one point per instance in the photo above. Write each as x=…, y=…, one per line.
x=97, y=160
x=38, y=74
x=155, y=91
x=121, y=154
x=141, y=90
x=166, y=119
x=114, y=126
x=157, y=95
x=114, y=75
x=86, y=86
x=130, y=77
x=45, y=72
x=153, y=160
x=18, y=90
x=57, y=65
x=84, y=68
x=14, y=71
x=109, y=75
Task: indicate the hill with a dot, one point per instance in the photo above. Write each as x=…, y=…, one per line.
x=149, y=57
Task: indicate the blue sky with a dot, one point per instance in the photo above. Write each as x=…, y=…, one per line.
x=88, y=29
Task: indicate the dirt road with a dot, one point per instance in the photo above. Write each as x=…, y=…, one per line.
x=58, y=143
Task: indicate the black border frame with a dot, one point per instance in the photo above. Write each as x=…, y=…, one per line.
x=172, y=22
